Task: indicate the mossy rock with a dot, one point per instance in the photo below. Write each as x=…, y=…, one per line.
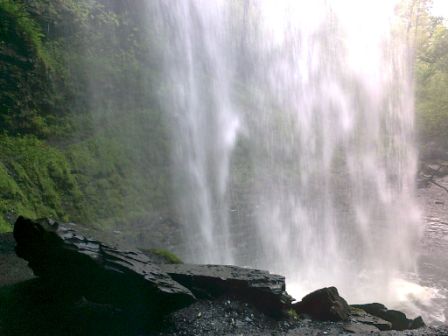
x=162, y=256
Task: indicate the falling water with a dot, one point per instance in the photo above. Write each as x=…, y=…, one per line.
x=316, y=97
x=205, y=123
x=335, y=172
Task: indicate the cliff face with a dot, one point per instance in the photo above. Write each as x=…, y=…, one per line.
x=79, y=126
x=82, y=136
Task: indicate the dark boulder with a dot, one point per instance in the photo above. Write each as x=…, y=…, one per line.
x=324, y=304
x=264, y=290
x=397, y=318
x=101, y=273
x=417, y=323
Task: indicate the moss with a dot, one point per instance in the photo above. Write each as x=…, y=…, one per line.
x=121, y=172
x=168, y=256
x=93, y=181
x=356, y=311
x=65, y=152
x=5, y=226
x=35, y=181
x=292, y=314
x=10, y=198
x=25, y=30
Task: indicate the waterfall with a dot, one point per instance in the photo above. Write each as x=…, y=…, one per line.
x=292, y=124
x=205, y=123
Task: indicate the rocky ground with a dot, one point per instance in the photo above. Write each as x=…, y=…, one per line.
x=27, y=309
x=27, y=316
x=227, y=317
x=12, y=268
x=433, y=264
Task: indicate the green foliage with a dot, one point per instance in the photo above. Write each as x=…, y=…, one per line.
x=67, y=150
x=23, y=60
x=431, y=72
x=69, y=69
x=121, y=173
x=16, y=23
x=292, y=314
x=168, y=256
x=35, y=181
x=97, y=181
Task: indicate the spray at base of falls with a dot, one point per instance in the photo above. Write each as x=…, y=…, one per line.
x=320, y=95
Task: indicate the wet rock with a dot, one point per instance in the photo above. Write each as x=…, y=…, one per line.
x=360, y=316
x=417, y=323
x=359, y=328
x=324, y=304
x=12, y=268
x=375, y=309
x=398, y=319
x=101, y=273
x=161, y=256
x=432, y=151
x=7, y=243
x=264, y=290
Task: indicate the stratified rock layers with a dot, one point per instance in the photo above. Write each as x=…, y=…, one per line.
x=73, y=266
x=96, y=271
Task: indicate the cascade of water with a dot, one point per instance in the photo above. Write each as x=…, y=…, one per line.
x=335, y=172
x=205, y=123
x=323, y=91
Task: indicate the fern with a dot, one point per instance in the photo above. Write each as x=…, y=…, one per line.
x=26, y=28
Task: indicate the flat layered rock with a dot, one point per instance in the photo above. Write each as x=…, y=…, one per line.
x=398, y=319
x=264, y=290
x=360, y=328
x=359, y=316
x=101, y=273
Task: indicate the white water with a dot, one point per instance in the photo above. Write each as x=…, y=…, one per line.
x=320, y=93
x=205, y=123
